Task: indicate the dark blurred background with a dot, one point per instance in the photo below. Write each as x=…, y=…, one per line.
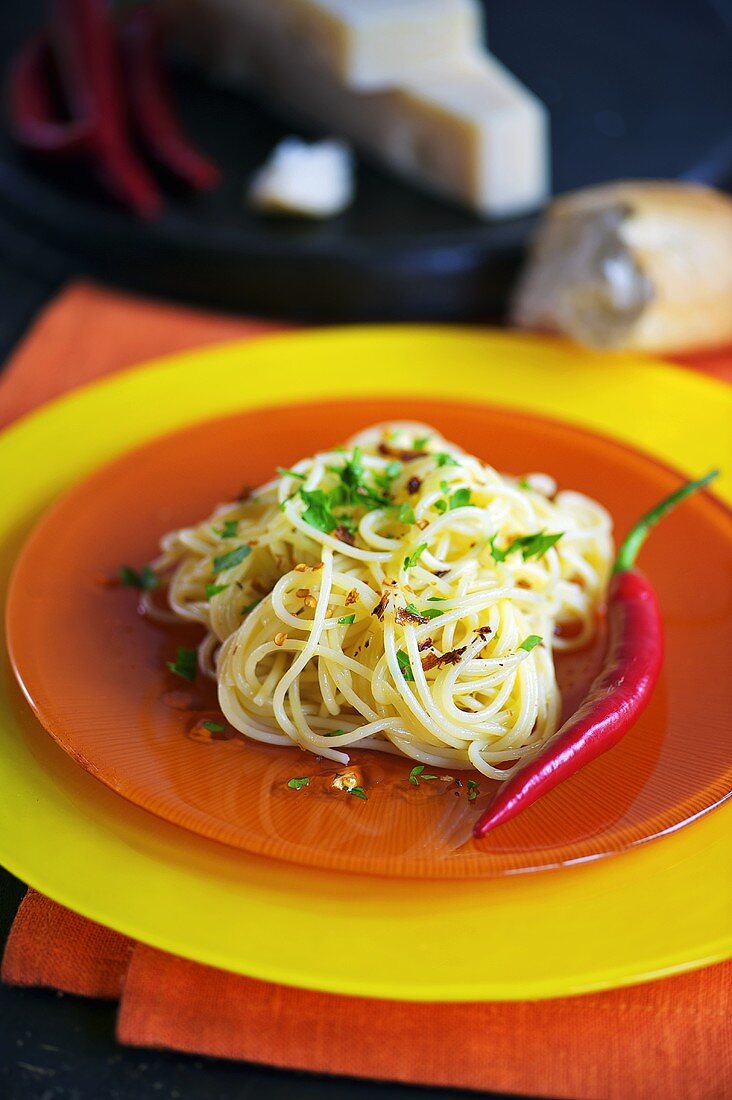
x=634, y=89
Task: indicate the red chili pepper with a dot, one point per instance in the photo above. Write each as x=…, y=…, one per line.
x=620, y=691
x=83, y=40
x=31, y=110
x=151, y=111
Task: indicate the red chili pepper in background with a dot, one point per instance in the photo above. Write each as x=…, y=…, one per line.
x=30, y=107
x=620, y=691
x=111, y=79
x=82, y=38
x=151, y=111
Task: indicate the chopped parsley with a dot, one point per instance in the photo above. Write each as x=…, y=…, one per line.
x=347, y=620
x=444, y=459
x=417, y=773
x=185, y=663
x=214, y=589
x=234, y=557
x=353, y=483
x=531, y=642
x=411, y=560
x=391, y=472
x=405, y=513
x=428, y=613
x=250, y=606
x=144, y=579
x=531, y=546
x=213, y=727
x=229, y=530
x=359, y=792
x=441, y=506
x=298, y=781
x=460, y=498
x=283, y=471
x=318, y=512
x=523, y=483
x=405, y=665
x=473, y=790
x=334, y=733
x=421, y=442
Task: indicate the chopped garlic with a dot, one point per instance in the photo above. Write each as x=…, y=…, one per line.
x=346, y=781
x=311, y=179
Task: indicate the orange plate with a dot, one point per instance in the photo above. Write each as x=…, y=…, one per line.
x=95, y=671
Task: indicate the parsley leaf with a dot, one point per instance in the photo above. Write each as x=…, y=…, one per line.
x=523, y=483
x=145, y=579
x=229, y=530
x=234, y=557
x=250, y=606
x=405, y=665
x=347, y=620
x=213, y=727
x=318, y=512
x=411, y=560
x=421, y=442
x=535, y=546
x=441, y=506
x=428, y=613
x=460, y=498
x=473, y=790
x=283, y=471
x=531, y=642
x=406, y=513
x=359, y=792
x=416, y=774
x=391, y=472
x=352, y=471
x=185, y=663
x=444, y=459
x=333, y=733
x=214, y=589
x=531, y=546
x=298, y=781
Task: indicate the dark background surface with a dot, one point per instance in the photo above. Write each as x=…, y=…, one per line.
x=658, y=95
x=633, y=89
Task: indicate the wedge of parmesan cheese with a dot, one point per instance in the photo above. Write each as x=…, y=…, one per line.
x=307, y=179
x=469, y=131
x=364, y=44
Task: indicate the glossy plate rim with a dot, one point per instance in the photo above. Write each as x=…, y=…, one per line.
x=617, y=904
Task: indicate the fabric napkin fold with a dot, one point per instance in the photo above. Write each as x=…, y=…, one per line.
x=660, y=1040
x=667, y=1039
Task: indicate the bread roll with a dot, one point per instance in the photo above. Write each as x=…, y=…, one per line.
x=643, y=266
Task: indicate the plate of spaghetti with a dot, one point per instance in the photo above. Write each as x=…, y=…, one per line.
x=330, y=632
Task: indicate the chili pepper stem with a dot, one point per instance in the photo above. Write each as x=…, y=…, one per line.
x=628, y=551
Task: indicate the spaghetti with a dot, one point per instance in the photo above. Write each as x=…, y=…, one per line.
x=396, y=594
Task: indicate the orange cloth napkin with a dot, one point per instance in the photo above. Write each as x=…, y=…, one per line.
x=666, y=1040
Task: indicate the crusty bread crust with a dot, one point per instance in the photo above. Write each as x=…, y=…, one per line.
x=677, y=236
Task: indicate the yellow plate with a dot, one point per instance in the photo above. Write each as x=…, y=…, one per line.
x=657, y=910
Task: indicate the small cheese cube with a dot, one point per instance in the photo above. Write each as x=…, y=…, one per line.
x=314, y=180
